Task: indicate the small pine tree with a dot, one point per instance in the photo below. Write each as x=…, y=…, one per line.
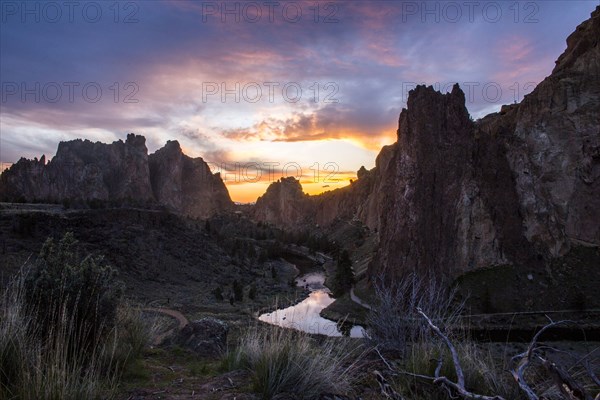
x=344, y=275
x=251, y=252
x=238, y=291
x=252, y=292
x=218, y=292
x=262, y=256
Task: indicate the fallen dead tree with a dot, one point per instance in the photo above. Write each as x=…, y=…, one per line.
x=569, y=388
x=566, y=384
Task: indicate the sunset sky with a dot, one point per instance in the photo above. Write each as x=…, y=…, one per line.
x=309, y=84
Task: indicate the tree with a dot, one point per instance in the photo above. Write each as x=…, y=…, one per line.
x=251, y=252
x=344, y=275
x=262, y=256
x=218, y=292
x=252, y=292
x=238, y=291
x=273, y=272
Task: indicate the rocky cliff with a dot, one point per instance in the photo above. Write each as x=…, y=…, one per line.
x=186, y=184
x=520, y=187
x=83, y=170
x=118, y=172
x=284, y=204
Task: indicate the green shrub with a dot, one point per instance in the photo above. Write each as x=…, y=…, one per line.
x=61, y=281
x=218, y=292
x=62, y=355
x=135, y=333
x=54, y=365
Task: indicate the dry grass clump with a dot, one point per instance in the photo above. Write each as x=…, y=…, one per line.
x=286, y=361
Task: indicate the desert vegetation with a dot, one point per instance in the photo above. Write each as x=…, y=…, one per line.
x=283, y=361
x=65, y=331
x=418, y=332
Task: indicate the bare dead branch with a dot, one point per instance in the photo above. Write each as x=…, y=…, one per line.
x=386, y=390
x=438, y=369
x=565, y=383
x=518, y=375
x=459, y=386
x=461, y=391
x=387, y=364
x=412, y=374
x=459, y=372
x=524, y=359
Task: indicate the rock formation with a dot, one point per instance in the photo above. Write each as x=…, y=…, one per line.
x=83, y=170
x=186, y=184
x=284, y=204
x=520, y=187
x=119, y=172
x=206, y=337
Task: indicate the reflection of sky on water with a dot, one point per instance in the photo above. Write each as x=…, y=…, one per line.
x=304, y=316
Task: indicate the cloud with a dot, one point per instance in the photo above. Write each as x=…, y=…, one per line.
x=372, y=53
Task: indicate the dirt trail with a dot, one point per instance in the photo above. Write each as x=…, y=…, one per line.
x=181, y=319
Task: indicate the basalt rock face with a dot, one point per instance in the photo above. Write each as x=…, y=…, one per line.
x=361, y=201
x=82, y=170
x=186, y=184
x=519, y=187
x=425, y=182
x=284, y=204
x=450, y=203
x=120, y=172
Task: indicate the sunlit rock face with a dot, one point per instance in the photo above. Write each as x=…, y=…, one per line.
x=121, y=171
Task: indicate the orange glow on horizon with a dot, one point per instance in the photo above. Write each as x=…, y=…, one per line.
x=249, y=192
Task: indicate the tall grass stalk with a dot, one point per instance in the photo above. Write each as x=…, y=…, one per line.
x=393, y=322
x=60, y=363
x=286, y=361
x=53, y=365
